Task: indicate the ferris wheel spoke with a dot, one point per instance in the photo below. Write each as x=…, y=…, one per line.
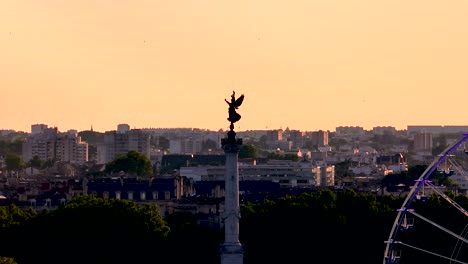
x=452, y=202
x=439, y=226
x=430, y=252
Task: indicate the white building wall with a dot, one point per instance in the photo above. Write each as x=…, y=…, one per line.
x=121, y=143
x=288, y=174
x=175, y=146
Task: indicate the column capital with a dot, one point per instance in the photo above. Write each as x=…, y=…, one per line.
x=231, y=144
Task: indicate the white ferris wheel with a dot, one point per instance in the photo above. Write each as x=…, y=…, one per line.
x=421, y=236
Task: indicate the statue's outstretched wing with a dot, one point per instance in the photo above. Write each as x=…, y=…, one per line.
x=239, y=101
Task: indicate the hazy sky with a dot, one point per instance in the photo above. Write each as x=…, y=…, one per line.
x=302, y=64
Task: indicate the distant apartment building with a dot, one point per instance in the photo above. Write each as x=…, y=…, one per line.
x=287, y=173
x=380, y=130
x=350, y=130
x=5, y=132
x=48, y=144
x=274, y=135
x=318, y=138
x=274, y=139
x=327, y=176
x=38, y=128
x=123, y=128
x=185, y=146
x=437, y=129
x=423, y=142
x=70, y=148
x=120, y=143
x=297, y=138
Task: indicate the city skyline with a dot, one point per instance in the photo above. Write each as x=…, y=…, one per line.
x=431, y=127
x=306, y=65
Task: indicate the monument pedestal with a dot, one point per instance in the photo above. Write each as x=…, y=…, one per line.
x=232, y=254
x=231, y=250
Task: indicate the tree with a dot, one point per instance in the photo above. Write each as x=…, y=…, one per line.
x=283, y=156
x=14, y=162
x=133, y=162
x=36, y=162
x=13, y=147
x=5, y=260
x=359, y=218
x=247, y=151
x=342, y=168
x=97, y=230
x=12, y=219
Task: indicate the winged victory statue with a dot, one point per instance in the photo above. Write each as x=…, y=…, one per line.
x=233, y=105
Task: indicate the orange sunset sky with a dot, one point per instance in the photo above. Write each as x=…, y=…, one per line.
x=302, y=64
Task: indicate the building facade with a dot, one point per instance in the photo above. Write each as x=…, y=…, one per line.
x=288, y=174
x=120, y=143
x=48, y=144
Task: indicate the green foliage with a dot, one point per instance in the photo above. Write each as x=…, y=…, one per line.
x=111, y=213
x=289, y=229
x=12, y=220
x=248, y=151
x=96, y=230
x=13, y=216
x=283, y=156
x=11, y=147
x=200, y=244
x=133, y=162
x=320, y=223
x=342, y=168
x=14, y=162
x=36, y=162
x=6, y=260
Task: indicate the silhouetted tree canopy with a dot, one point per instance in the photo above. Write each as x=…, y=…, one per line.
x=93, y=230
x=36, y=162
x=6, y=260
x=11, y=147
x=14, y=162
x=320, y=226
x=133, y=162
x=248, y=151
x=283, y=156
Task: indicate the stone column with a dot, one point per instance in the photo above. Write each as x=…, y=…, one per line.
x=231, y=249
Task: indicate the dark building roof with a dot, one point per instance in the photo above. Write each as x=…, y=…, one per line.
x=205, y=187
x=175, y=161
x=131, y=184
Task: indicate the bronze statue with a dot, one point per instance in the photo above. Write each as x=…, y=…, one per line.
x=233, y=105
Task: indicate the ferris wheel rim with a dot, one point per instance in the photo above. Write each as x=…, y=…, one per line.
x=392, y=240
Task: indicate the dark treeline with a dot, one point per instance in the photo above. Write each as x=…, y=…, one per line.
x=321, y=226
